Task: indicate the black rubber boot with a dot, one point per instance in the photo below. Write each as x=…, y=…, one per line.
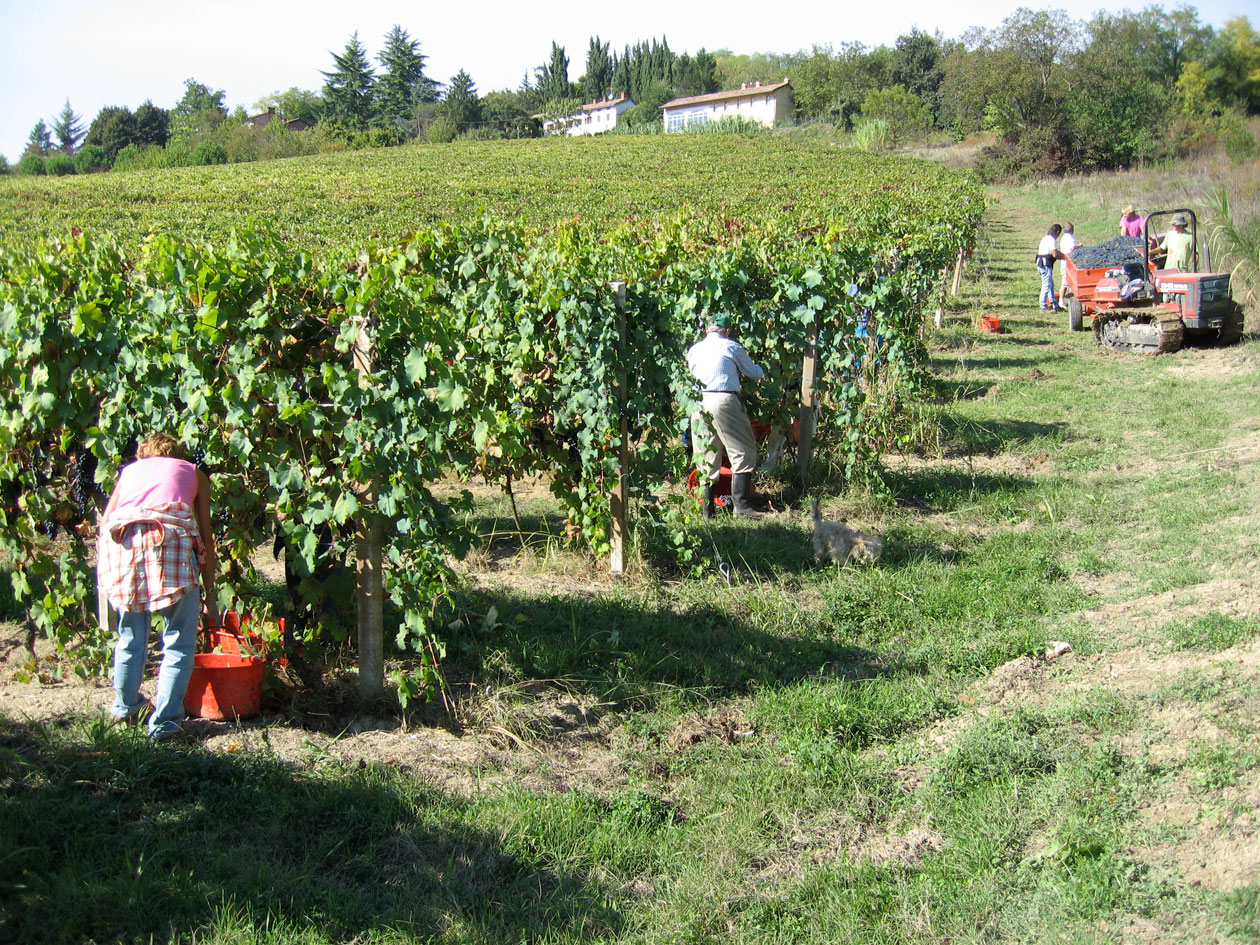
x=741, y=492
x=710, y=494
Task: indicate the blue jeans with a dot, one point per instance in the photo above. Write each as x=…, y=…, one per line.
x=1047, y=287
x=179, y=640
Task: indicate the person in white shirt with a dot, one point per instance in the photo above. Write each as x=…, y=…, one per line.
x=1047, y=253
x=1067, y=243
x=718, y=363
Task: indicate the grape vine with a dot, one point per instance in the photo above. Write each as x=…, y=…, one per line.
x=487, y=347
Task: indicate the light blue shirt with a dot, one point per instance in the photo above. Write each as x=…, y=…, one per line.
x=718, y=362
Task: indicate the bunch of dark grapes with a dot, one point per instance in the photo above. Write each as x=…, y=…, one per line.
x=198, y=458
x=83, y=488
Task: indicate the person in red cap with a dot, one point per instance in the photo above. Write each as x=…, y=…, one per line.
x=718, y=362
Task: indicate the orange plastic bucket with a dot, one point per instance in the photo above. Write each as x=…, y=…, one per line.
x=990, y=323
x=224, y=686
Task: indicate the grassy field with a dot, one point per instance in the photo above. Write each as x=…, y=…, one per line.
x=772, y=752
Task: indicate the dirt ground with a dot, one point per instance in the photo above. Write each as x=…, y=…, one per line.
x=541, y=738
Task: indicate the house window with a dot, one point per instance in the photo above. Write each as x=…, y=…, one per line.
x=683, y=117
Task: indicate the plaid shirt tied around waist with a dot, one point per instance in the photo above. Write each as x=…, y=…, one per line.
x=147, y=559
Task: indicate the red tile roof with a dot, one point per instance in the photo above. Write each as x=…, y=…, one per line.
x=749, y=92
x=605, y=103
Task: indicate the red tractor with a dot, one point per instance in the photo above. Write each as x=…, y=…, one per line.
x=1134, y=305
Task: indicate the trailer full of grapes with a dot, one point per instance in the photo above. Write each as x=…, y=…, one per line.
x=1134, y=305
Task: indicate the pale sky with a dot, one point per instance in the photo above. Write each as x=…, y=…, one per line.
x=120, y=52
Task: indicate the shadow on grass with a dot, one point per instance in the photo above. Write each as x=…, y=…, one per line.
x=497, y=535
x=997, y=436
x=116, y=839
x=946, y=490
x=1011, y=337
x=625, y=650
x=992, y=359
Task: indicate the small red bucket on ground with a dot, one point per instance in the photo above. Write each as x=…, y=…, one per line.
x=224, y=686
x=990, y=323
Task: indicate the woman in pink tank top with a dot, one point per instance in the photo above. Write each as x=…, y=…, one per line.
x=155, y=541
x=155, y=482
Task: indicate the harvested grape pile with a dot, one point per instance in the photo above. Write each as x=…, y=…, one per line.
x=1115, y=252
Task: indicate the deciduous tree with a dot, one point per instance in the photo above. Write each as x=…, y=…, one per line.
x=505, y=113
x=293, y=103
x=1233, y=66
x=916, y=65
x=113, y=128
x=153, y=125
x=905, y=113
x=198, y=112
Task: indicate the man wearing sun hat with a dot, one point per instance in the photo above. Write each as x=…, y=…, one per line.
x=717, y=362
x=1179, y=245
x=1130, y=223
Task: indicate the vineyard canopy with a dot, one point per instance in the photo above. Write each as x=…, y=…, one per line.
x=226, y=305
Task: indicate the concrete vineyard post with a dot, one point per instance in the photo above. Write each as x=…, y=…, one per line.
x=371, y=584
x=620, y=493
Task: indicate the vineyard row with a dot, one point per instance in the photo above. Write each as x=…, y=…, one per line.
x=326, y=393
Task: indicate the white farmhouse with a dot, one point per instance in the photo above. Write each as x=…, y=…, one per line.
x=767, y=104
x=593, y=119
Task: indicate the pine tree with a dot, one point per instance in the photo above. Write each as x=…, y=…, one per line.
x=403, y=85
x=350, y=89
x=461, y=103
x=68, y=127
x=40, y=140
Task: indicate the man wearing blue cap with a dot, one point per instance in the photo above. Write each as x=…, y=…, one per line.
x=718, y=362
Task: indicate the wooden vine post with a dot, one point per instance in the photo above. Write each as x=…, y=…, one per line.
x=621, y=491
x=954, y=287
x=805, y=438
x=371, y=584
x=106, y=616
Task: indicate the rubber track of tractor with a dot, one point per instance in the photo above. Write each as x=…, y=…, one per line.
x=1170, y=335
